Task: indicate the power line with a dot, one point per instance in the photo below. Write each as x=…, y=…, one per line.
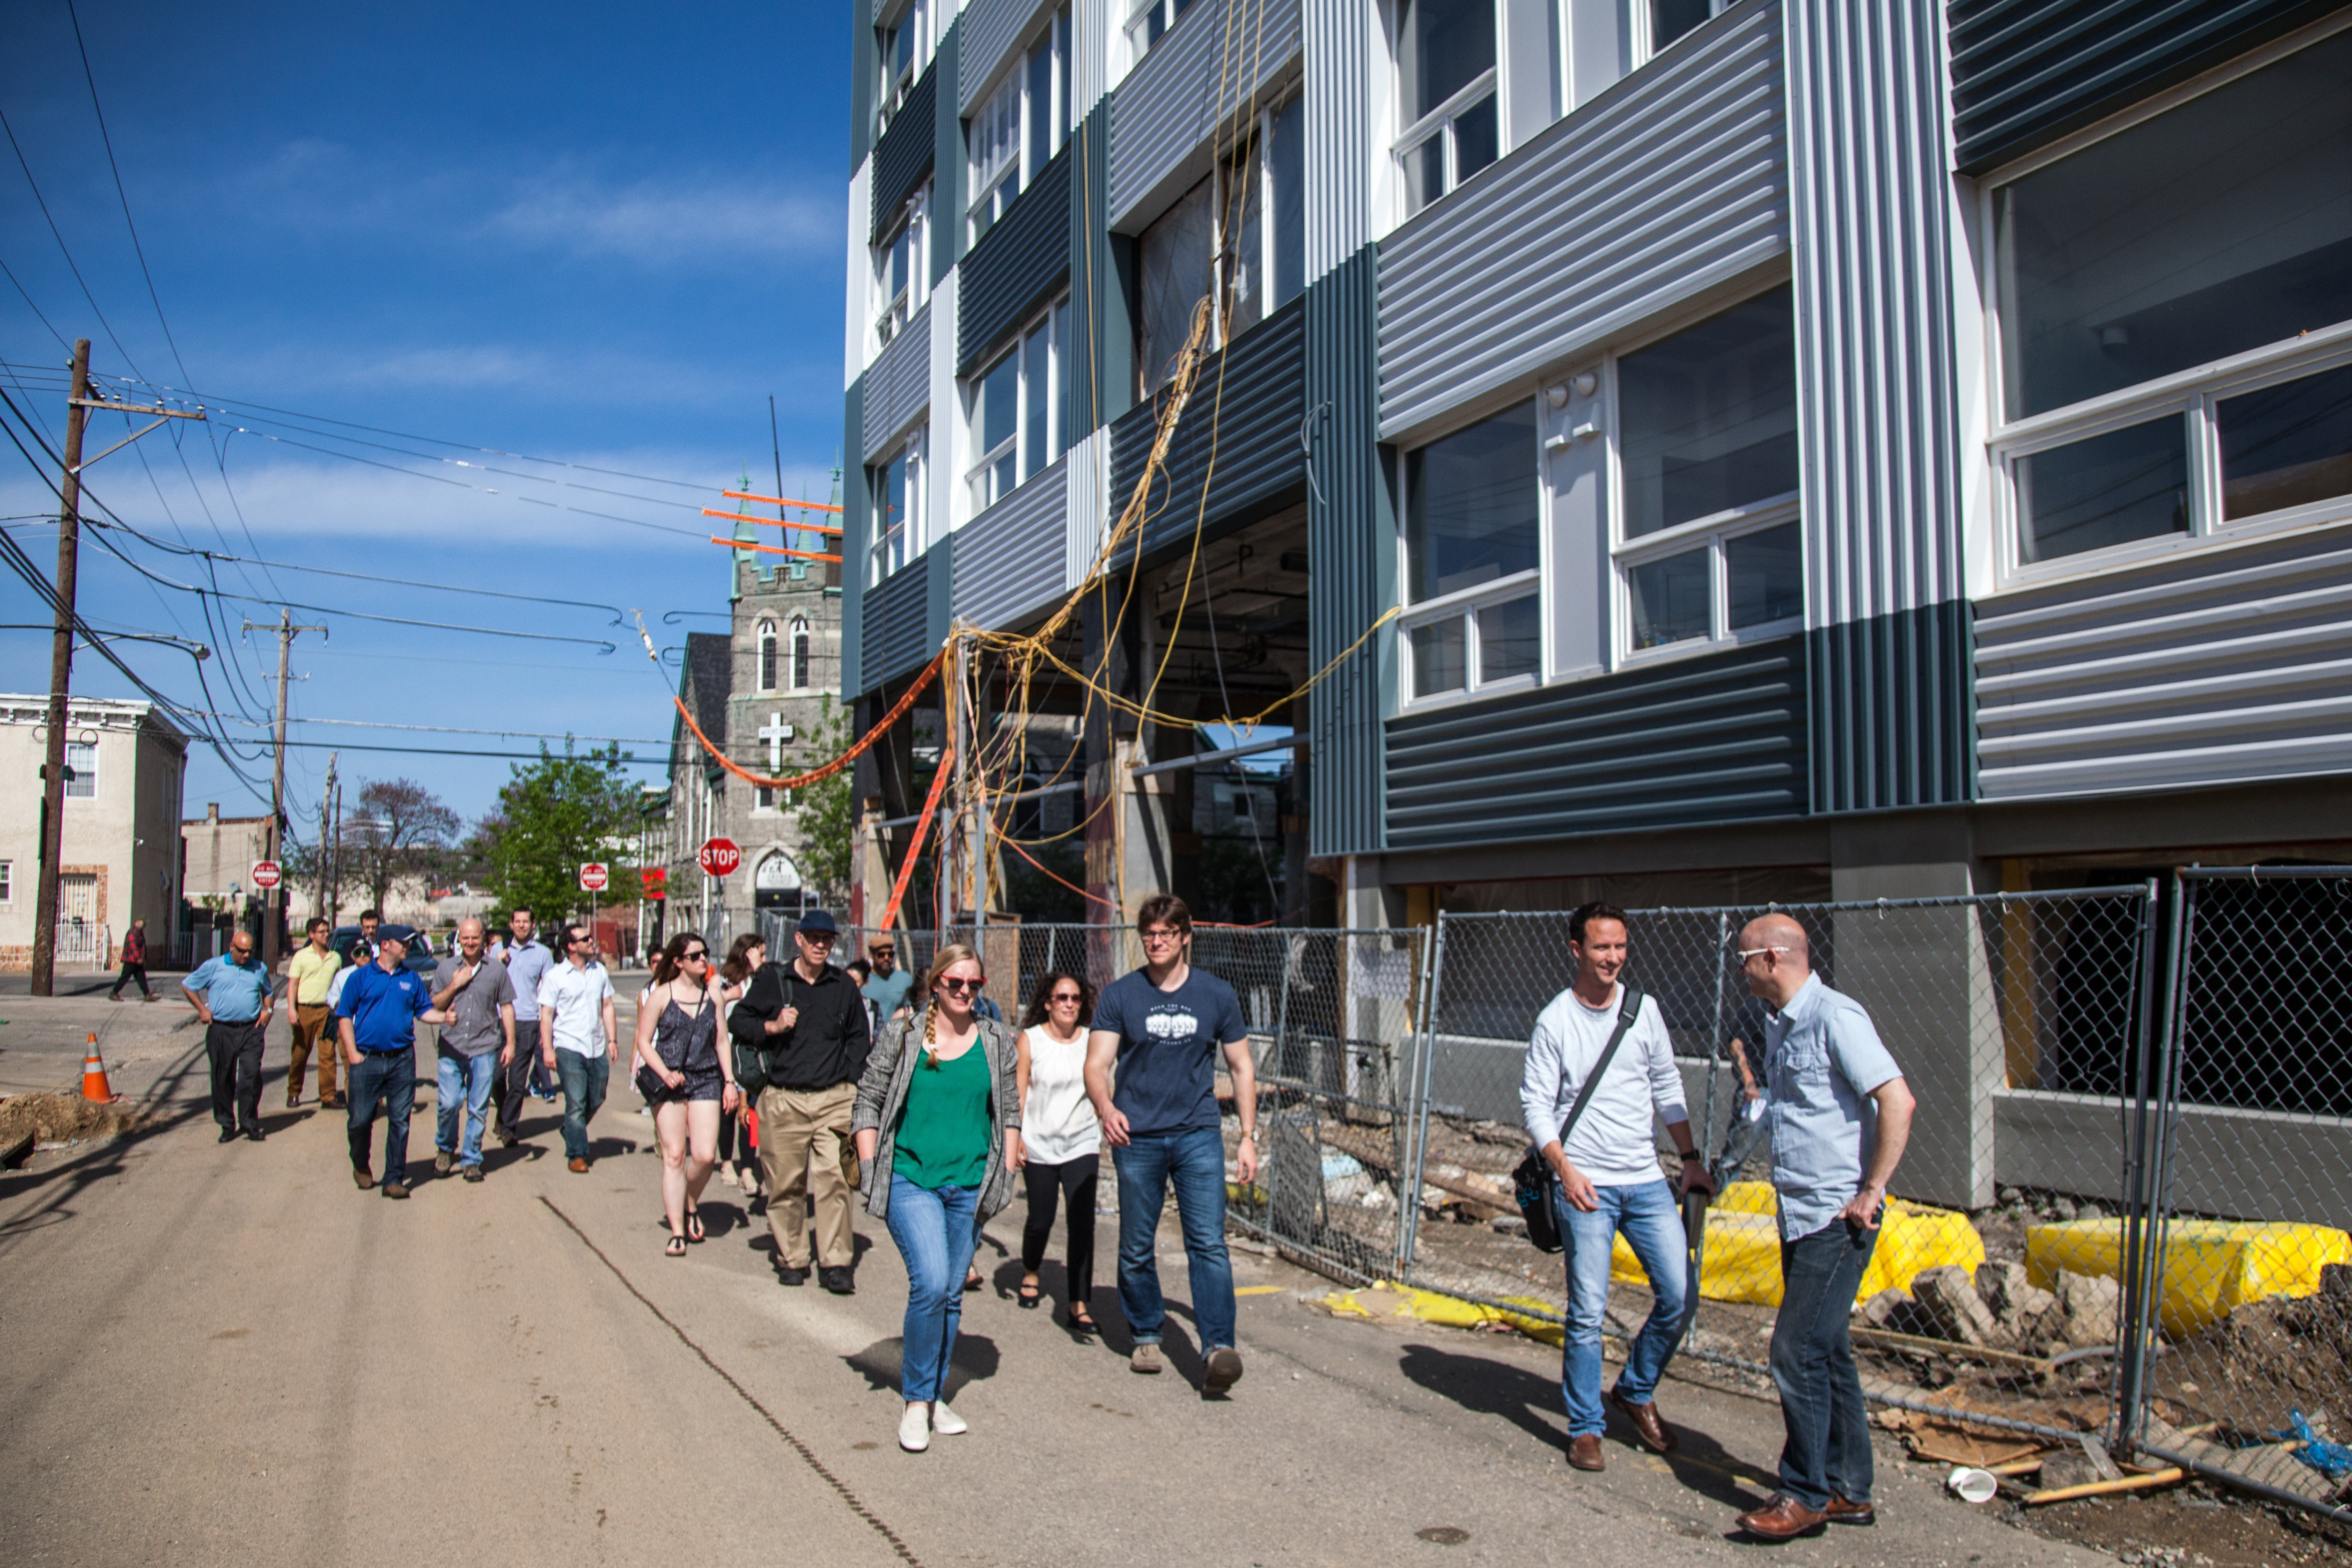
x=36, y=310
x=120, y=194
x=72, y=266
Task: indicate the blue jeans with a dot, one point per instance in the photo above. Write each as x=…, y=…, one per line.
x=464, y=1085
x=584, y=1078
x=1828, y=1445
x=1653, y=1223
x=389, y=1076
x=1194, y=1162
x=936, y=1229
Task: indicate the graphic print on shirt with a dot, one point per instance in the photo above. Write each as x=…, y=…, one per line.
x=1172, y=1021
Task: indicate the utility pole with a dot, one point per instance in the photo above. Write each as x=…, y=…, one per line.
x=78, y=402
x=273, y=899
x=326, y=840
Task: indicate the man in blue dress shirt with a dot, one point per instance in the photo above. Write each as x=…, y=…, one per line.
x=376, y=1017
x=231, y=994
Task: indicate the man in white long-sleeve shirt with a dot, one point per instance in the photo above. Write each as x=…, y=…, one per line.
x=1608, y=1177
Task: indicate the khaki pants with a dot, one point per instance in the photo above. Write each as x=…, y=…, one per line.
x=803, y=1134
x=313, y=1031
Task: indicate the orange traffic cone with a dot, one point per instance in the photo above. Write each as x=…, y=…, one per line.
x=94, y=1085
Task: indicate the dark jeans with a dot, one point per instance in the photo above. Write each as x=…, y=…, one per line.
x=1076, y=1178
x=514, y=1077
x=584, y=1078
x=236, y=1053
x=1828, y=1449
x=389, y=1076
x=1194, y=1163
x=131, y=972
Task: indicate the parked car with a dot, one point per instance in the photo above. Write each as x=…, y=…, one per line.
x=421, y=957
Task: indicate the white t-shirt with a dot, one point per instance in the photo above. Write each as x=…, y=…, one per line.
x=1612, y=1144
x=1057, y=1121
x=577, y=999
x=335, y=986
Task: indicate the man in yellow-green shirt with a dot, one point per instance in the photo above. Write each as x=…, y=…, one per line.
x=307, y=975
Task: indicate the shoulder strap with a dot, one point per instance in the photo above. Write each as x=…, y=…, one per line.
x=1626, y=1009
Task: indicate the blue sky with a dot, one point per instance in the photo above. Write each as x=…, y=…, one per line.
x=594, y=233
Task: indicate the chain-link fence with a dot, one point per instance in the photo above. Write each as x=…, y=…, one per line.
x=2245, y=1350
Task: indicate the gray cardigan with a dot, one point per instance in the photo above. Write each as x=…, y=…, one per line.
x=882, y=1096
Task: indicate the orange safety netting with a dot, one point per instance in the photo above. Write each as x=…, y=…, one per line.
x=929, y=672
x=922, y=828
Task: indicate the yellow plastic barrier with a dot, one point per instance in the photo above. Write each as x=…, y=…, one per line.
x=1742, y=1262
x=1387, y=1299
x=2211, y=1266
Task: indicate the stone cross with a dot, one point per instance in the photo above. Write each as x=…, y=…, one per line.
x=776, y=732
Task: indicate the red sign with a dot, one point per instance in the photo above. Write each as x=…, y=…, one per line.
x=655, y=882
x=264, y=874
x=720, y=857
x=593, y=877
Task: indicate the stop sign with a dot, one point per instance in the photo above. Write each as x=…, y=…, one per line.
x=720, y=857
x=264, y=874
x=593, y=877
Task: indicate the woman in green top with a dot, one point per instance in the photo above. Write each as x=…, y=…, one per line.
x=938, y=1127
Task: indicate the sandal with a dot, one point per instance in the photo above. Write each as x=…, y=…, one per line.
x=1081, y=1321
x=674, y=1247
x=694, y=1224
x=971, y=1280
x=1029, y=1295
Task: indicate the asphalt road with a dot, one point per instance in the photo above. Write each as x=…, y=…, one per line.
x=226, y=1352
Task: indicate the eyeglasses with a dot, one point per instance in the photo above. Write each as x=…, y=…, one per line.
x=1161, y=938
x=1743, y=954
x=818, y=938
x=1073, y=997
x=958, y=985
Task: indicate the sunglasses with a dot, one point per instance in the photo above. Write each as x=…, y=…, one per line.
x=818, y=938
x=698, y=957
x=959, y=986
x=1073, y=997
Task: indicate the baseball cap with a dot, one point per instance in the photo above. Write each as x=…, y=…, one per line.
x=816, y=921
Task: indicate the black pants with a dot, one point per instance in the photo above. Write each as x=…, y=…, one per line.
x=131, y=972
x=1075, y=1178
x=236, y=1053
x=513, y=1087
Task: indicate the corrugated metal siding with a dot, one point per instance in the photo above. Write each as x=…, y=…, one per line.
x=2027, y=72
x=898, y=383
x=1088, y=466
x=2205, y=668
x=1671, y=182
x=991, y=28
x=1194, y=79
x=903, y=153
x=1010, y=559
x=938, y=592
x=896, y=623
x=1102, y=377
x=1715, y=739
x=856, y=497
x=1877, y=427
x=1337, y=37
x=948, y=159
x=1239, y=435
x=1019, y=264
x=1350, y=550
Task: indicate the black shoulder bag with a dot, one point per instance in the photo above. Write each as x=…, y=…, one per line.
x=1533, y=1181
x=751, y=1062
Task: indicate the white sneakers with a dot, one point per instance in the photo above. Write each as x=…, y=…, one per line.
x=920, y=1421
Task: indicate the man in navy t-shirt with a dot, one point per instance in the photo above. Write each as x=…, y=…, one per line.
x=1163, y=1027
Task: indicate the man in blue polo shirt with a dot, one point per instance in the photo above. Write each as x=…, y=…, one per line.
x=231, y=994
x=376, y=1019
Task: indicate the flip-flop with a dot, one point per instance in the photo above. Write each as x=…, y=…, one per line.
x=674, y=1247
x=694, y=1224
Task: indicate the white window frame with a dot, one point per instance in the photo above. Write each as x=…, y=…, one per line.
x=1439, y=123
x=1465, y=604
x=802, y=652
x=1261, y=178
x=979, y=474
x=899, y=308
x=2190, y=394
x=984, y=181
x=893, y=86
x=81, y=783
x=1137, y=28
x=764, y=646
x=881, y=561
x=7, y=882
x=1647, y=46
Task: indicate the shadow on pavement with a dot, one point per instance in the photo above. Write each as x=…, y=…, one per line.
x=975, y=1360
x=67, y=1179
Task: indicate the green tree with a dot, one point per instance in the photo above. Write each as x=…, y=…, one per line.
x=552, y=816
x=825, y=810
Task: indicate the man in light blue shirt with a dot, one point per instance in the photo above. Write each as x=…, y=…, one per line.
x=231, y=993
x=526, y=960
x=1840, y=1114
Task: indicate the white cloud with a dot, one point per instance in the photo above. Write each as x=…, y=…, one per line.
x=706, y=223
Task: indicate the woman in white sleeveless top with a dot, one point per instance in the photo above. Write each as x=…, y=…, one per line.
x=1062, y=1138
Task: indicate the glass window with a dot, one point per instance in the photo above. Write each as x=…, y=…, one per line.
x=1670, y=19
x=2214, y=228
x=1708, y=419
x=1287, y=171
x=800, y=653
x=1041, y=104
x=994, y=415
x=896, y=485
x=767, y=656
x=899, y=268
x=1037, y=381
x=1764, y=573
x=2129, y=484
x=1510, y=640
x=1446, y=83
x=1015, y=411
x=1241, y=260
x=1175, y=258
x=1439, y=664
x=1670, y=599
x=1471, y=506
x=2286, y=445
x=7, y=882
x=994, y=135
x=81, y=771
x=1149, y=22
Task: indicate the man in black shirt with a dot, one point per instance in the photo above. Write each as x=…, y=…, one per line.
x=809, y=1023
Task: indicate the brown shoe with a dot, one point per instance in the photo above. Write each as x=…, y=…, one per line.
x=1653, y=1433
x=1783, y=1518
x=362, y=1179
x=1584, y=1452
x=1844, y=1512
x=579, y=1167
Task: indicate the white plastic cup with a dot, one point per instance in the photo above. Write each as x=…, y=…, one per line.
x=1972, y=1485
